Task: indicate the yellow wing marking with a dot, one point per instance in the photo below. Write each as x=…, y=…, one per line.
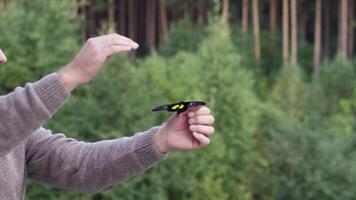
x=181, y=106
x=175, y=106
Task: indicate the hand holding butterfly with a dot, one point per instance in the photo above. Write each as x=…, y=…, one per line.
x=190, y=130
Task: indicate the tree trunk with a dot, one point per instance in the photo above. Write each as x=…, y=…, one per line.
x=245, y=16
x=111, y=14
x=285, y=32
x=294, y=39
x=2, y=3
x=163, y=27
x=272, y=19
x=132, y=21
x=326, y=30
x=351, y=28
x=200, y=11
x=317, y=37
x=256, y=33
x=83, y=7
x=225, y=11
x=151, y=25
x=122, y=15
x=343, y=19
x=303, y=19
x=92, y=16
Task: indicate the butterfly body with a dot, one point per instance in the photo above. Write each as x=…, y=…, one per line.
x=179, y=107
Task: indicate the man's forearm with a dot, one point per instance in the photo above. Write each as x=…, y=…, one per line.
x=27, y=108
x=89, y=167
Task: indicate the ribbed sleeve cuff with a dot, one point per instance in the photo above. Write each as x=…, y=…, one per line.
x=51, y=92
x=146, y=149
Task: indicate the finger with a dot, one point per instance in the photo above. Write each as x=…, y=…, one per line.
x=202, y=120
x=127, y=41
x=3, y=58
x=195, y=108
x=116, y=39
x=201, y=138
x=202, y=110
x=206, y=130
x=109, y=51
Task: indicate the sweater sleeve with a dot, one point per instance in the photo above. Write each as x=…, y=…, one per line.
x=26, y=109
x=88, y=167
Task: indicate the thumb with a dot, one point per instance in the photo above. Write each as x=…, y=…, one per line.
x=177, y=121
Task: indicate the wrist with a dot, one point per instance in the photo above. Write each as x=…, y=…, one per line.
x=161, y=140
x=69, y=78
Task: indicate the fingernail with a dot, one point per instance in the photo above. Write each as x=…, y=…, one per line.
x=190, y=114
x=135, y=46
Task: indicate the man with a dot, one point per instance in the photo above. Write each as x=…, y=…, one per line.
x=29, y=150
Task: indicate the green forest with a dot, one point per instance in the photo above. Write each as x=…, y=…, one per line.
x=278, y=75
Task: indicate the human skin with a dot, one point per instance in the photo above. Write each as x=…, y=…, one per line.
x=3, y=58
x=190, y=130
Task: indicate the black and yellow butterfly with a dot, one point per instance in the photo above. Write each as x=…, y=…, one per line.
x=178, y=107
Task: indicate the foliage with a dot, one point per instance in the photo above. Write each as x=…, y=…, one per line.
x=37, y=37
x=178, y=37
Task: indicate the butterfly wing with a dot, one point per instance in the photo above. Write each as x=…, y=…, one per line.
x=179, y=107
x=160, y=108
x=195, y=103
x=169, y=107
x=175, y=107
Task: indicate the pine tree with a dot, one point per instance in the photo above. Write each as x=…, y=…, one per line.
x=285, y=32
x=294, y=33
x=245, y=16
x=256, y=32
x=317, y=37
x=343, y=32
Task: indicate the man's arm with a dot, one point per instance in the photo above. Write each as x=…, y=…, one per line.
x=26, y=109
x=89, y=167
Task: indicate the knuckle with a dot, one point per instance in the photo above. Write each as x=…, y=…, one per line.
x=91, y=41
x=115, y=34
x=191, y=127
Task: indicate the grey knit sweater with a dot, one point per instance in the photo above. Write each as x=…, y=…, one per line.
x=29, y=151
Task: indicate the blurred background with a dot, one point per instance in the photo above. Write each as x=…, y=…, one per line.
x=279, y=75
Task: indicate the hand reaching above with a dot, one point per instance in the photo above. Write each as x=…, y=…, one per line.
x=92, y=57
x=190, y=130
